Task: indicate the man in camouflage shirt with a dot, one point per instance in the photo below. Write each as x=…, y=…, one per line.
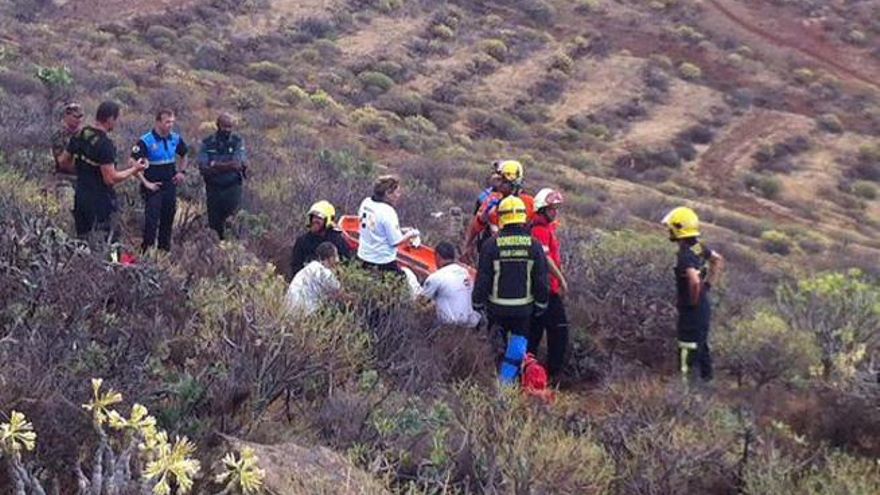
x=62, y=181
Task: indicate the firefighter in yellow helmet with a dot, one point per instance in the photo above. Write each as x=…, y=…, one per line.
x=485, y=222
x=321, y=224
x=697, y=269
x=512, y=283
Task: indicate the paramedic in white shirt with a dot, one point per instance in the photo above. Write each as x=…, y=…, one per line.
x=450, y=288
x=315, y=283
x=380, y=232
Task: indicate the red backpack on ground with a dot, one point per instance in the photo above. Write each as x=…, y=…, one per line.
x=535, y=380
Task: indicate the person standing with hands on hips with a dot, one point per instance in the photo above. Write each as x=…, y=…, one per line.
x=165, y=152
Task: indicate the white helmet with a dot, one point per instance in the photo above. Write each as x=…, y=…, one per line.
x=547, y=197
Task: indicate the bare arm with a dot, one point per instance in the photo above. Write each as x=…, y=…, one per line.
x=112, y=176
x=65, y=162
x=716, y=268
x=695, y=286
x=556, y=272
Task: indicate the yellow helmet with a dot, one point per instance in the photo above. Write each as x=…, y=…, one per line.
x=683, y=223
x=511, y=210
x=326, y=211
x=511, y=171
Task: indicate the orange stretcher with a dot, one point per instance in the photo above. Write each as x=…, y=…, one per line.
x=418, y=259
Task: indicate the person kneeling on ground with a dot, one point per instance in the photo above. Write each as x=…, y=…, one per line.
x=322, y=228
x=450, y=288
x=316, y=283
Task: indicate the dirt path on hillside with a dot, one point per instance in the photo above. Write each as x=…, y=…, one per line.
x=787, y=33
x=383, y=36
x=719, y=162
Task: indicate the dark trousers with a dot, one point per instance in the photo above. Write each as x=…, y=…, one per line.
x=693, y=339
x=222, y=203
x=93, y=214
x=392, y=267
x=699, y=358
x=159, y=209
x=554, y=322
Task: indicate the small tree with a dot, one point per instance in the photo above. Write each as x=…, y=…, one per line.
x=841, y=311
x=764, y=349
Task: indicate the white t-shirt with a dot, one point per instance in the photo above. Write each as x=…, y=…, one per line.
x=450, y=288
x=412, y=281
x=310, y=287
x=380, y=232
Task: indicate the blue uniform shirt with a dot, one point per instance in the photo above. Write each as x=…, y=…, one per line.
x=161, y=153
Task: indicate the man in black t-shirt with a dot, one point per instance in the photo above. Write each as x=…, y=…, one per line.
x=92, y=155
x=697, y=269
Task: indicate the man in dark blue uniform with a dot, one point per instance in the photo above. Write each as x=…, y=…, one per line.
x=697, y=269
x=92, y=155
x=512, y=283
x=165, y=152
x=222, y=164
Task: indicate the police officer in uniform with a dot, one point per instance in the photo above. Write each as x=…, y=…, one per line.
x=512, y=282
x=222, y=164
x=93, y=154
x=165, y=152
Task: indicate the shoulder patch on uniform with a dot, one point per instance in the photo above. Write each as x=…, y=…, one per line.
x=135, y=149
x=698, y=249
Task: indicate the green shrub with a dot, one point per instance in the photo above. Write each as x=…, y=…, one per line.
x=764, y=349
x=865, y=190
x=562, y=62
x=322, y=100
x=834, y=473
x=377, y=80
x=689, y=71
x=804, y=75
x=442, y=31
x=538, y=11
x=371, y=121
x=587, y=6
x=295, y=95
x=689, y=33
x=495, y=48
x=830, y=122
x=856, y=37
x=776, y=242
x=160, y=37
x=265, y=71
x=767, y=186
x=841, y=311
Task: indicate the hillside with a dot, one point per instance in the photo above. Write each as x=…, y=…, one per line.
x=763, y=115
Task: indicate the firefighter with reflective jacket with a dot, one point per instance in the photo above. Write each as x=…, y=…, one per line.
x=512, y=282
x=697, y=269
x=554, y=321
x=485, y=222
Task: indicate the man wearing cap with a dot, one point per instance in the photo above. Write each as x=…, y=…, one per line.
x=93, y=154
x=222, y=164
x=165, y=152
x=63, y=178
